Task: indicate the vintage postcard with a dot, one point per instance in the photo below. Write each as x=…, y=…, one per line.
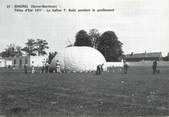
x=84, y=58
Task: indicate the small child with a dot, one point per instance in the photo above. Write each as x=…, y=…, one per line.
x=33, y=69
x=57, y=66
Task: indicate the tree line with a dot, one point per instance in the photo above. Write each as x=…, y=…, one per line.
x=107, y=43
x=32, y=47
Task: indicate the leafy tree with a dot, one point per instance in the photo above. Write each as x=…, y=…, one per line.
x=82, y=39
x=11, y=51
x=94, y=36
x=35, y=47
x=110, y=46
x=41, y=45
x=19, y=51
x=51, y=56
x=166, y=58
x=30, y=48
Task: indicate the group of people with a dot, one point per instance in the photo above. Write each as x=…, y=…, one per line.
x=154, y=67
x=26, y=69
x=99, y=69
x=44, y=68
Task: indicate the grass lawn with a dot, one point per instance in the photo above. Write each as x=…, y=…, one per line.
x=138, y=93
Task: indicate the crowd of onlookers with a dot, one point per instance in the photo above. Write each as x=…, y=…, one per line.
x=43, y=69
x=99, y=69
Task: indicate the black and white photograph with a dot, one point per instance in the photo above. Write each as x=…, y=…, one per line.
x=88, y=58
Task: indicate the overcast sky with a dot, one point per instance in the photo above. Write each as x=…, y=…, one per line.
x=141, y=25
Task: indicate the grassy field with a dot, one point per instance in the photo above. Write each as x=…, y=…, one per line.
x=138, y=93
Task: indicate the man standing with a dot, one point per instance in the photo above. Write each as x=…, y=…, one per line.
x=25, y=68
x=99, y=69
x=42, y=69
x=46, y=67
x=125, y=67
x=154, y=67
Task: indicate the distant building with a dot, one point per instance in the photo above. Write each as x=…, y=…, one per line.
x=143, y=56
x=8, y=62
x=36, y=61
x=5, y=62
x=168, y=56
x=2, y=62
x=20, y=61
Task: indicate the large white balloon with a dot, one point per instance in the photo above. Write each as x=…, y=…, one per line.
x=78, y=59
